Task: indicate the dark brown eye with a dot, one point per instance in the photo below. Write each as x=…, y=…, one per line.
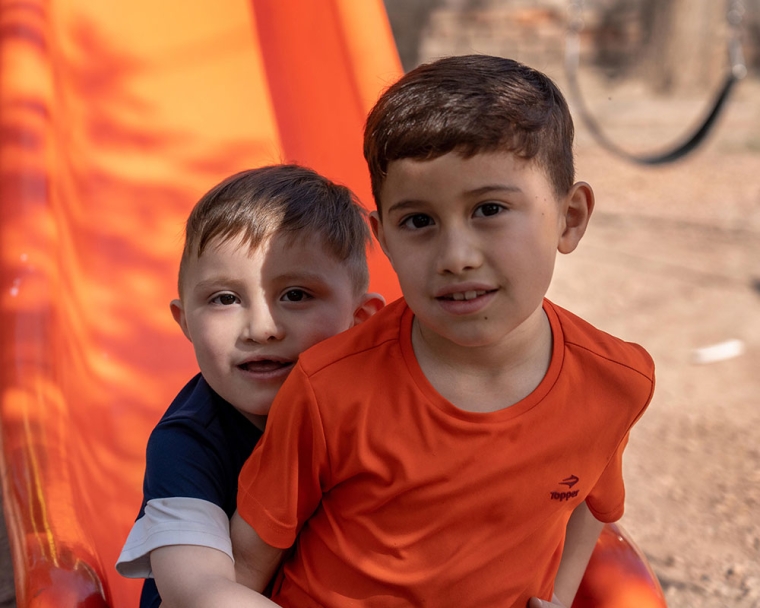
x=295, y=295
x=225, y=299
x=419, y=220
x=490, y=209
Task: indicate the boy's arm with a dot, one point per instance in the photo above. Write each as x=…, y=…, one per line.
x=583, y=530
x=192, y=576
x=255, y=560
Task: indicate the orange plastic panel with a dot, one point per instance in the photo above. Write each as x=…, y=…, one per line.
x=115, y=117
x=618, y=575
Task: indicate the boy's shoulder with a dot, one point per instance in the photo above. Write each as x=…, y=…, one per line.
x=198, y=447
x=382, y=328
x=196, y=401
x=198, y=410
x=583, y=337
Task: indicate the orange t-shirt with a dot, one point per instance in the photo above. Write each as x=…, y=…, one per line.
x=399, y=498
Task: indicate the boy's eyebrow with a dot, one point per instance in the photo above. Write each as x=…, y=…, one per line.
x=297, y=276
x=479, y=191
x=404, y=204
x=492, y=188
x=215, y=282
x=301, y=276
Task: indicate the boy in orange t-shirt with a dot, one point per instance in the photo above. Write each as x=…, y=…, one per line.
x=462, y=447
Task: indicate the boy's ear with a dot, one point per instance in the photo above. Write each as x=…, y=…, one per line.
x=369, y=304
x=577, y=208
x=377, y=229
x=178, y=312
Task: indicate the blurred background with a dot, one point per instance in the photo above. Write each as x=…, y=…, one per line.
x=671, y=260
x=672, y=256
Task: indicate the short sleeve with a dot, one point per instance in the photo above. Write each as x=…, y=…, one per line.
x=606, y=500
x=280, y=485
x=185, y=492
x=184, y=461
x=173, y=521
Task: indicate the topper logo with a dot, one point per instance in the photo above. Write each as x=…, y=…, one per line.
x=560, y=496
x=569, y=482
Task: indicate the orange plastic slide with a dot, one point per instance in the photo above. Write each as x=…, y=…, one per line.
x=115, y=116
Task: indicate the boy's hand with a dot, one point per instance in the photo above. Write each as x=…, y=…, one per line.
x=537, y=603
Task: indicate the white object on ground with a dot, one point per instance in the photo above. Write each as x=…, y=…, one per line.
x=718, y=352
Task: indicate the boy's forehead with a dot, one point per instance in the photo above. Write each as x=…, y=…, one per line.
x=240, y=244
x=306, y=248
x=482, y=170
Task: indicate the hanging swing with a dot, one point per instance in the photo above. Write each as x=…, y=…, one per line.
x=688, y=143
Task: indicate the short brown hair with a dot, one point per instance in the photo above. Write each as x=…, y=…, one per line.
x=471, y=104
x=281, y=199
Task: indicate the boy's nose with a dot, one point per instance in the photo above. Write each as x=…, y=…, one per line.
x=261, y=325
x=458, y=252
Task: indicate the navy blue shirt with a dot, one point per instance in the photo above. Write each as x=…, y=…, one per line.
x=195, y=451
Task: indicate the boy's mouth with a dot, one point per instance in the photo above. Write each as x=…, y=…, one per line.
x=464, y=295
x=263, y=366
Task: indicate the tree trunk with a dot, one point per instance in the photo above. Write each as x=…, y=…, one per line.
x=686, y=45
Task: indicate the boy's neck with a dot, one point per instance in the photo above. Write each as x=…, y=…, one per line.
x=259, y=422
x=491, y=378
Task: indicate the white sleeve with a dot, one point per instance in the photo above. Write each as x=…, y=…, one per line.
x=173, y=521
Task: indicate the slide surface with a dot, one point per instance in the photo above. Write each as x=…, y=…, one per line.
x=115, y=117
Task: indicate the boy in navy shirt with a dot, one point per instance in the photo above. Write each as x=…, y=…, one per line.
x=274, y=262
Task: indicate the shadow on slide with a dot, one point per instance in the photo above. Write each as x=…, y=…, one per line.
x=114, y=118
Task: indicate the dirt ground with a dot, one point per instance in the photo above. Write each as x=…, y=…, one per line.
x=672, y=261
